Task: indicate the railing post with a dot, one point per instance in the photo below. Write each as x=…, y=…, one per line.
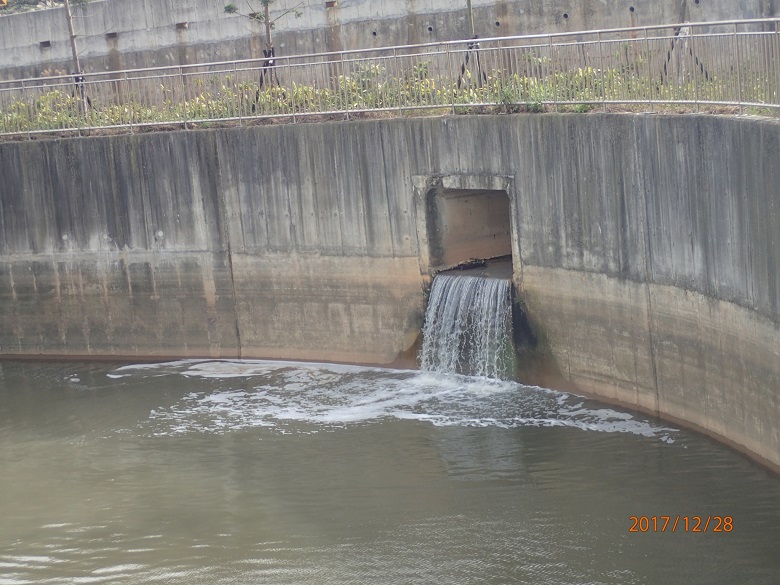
x=695, y=68
x=739, y=70
x=601, y=69
x=650, y=73
x=777, y=63
x=183, y=96
x=292, y=89
x=554, y=75
x=450, y=84
x=397, y=79
x=127, y=90
x=240, y=95
x=26, y=101
x=345, y=105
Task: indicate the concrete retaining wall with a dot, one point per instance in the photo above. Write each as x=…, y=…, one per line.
x=127, y=34
x=645, y=247
x=253, y=243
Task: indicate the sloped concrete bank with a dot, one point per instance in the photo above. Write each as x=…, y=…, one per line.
x=645, y=248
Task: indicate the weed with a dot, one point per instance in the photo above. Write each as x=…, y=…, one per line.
x=367, y=86
x=534, y=107
x=583, y=108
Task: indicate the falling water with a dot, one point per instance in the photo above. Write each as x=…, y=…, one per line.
x=467, y=327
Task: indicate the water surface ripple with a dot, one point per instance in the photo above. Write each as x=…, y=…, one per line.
x=242, y=472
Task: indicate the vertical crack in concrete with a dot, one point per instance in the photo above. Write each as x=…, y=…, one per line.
x=650, y=336
x=385, y=170
x=225, y=215
x=648, y=268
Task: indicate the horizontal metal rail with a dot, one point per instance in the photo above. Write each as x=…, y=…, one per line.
x=731, y=66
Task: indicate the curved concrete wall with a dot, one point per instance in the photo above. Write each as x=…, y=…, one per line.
x=645, y=247
x=127, y=34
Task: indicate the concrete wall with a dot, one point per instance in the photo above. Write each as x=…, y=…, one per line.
x=645, y=247
x=256, y=243
x=464, y=225
x=128, y=34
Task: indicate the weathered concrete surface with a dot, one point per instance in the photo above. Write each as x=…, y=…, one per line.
x=707, y=363
x=120, y=304
x=266, y=243
x=127, y=34
x=114, y=248
x=645, y=247
x=329, y=308
x=467, y=225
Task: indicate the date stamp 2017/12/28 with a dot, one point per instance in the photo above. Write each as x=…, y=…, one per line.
x=681, y=524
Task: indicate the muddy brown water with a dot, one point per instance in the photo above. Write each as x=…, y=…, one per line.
x=208, y=472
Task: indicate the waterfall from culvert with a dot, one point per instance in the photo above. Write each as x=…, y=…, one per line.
x=467, y=327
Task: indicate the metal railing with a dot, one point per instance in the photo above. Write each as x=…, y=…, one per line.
x=694, y=65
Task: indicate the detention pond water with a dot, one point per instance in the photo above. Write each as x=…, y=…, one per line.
x=214, y=472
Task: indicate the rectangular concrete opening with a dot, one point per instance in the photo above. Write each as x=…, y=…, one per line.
x=465, y=225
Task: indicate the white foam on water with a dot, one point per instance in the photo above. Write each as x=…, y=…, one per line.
x=227, y=368
x=24, y=560
x=154, y=369
x=308, y=397
x=124, y=568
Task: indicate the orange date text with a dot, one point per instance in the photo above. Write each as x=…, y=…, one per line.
x=681, y=524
